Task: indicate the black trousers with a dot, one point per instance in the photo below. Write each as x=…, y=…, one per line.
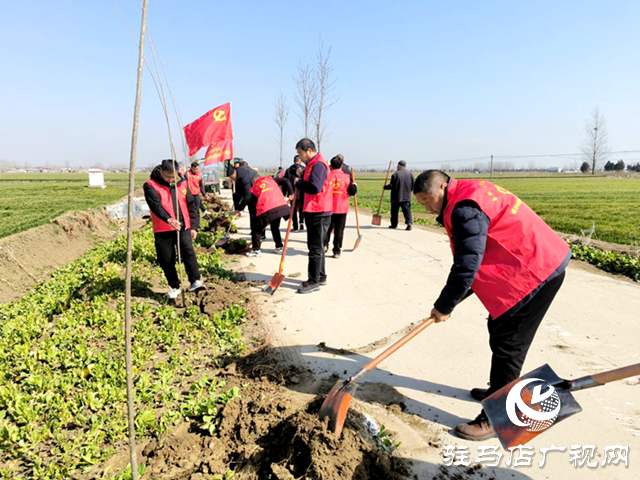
x=510, y=336
x=167, y=254
x=257, y=231
x=317, y=228
x=406, y=211
x=298, y=218
x=198, y=201
x=338, y=222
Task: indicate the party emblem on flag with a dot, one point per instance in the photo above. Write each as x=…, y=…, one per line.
x=219, y=115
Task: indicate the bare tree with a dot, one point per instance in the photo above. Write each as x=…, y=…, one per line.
x=595, y=145
x=325, y=90
x=281, y=117
x=306, y=94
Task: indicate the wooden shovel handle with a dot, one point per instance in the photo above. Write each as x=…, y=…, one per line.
x=385, y=182
x=617, y=374
x=393, y=348
x=355, y=201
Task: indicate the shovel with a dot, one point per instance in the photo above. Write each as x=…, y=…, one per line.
x=223, y=241
x=278, y=278
x=377, y=218
x=543, y=399
x=355, y=199
x=336, y=405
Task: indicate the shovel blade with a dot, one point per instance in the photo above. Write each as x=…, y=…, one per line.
x=499, y=406
x=358, y=240
x=336, y=404
x=376, y=220
x=222, y=242
x=274, y=283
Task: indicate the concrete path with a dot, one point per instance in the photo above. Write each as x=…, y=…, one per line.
x=392, y=281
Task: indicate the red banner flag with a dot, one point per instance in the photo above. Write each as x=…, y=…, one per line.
x=219, y=152
x=214, y=126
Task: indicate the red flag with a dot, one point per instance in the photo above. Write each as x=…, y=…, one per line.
x=219, y=152
x=214, y=126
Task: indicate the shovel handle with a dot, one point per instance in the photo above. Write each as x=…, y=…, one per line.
x=392, y=349
x=605, y=377
x=385, y=182
x=355, y=201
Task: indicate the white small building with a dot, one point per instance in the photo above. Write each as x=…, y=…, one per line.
x=96, y=178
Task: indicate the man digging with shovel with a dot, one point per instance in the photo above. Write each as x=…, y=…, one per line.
x=505, y=254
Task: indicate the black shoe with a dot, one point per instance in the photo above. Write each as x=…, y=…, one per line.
x=478, y=394
x=409, y=227
x=323, y=281
x=392, y=226
x=308, y=287
x=301, y=227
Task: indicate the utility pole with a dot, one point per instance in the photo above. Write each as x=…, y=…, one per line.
x=491, y=170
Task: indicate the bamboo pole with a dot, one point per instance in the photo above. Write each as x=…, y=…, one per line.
x=127, y=309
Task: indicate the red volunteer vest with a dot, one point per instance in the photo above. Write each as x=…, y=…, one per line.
x=194, y=182
x=269, y=195
x=167, y=204
x=340, y=181
x=521, y=252
x=323, y=200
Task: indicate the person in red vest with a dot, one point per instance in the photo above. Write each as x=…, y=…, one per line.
x=505, y=254
x=196, y=184
x=317, y=208
x=268, y=204
x=342, y=188
x=160, y=193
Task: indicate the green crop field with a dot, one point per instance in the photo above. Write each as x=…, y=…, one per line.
x=32, y=199
x=569, y=203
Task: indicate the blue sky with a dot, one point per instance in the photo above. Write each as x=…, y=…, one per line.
x=423, y=81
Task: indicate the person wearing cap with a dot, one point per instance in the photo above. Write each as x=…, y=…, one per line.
x=401, y=186
x=506, y=255
x=162, y=194
x=342, y=187
x=317, y=209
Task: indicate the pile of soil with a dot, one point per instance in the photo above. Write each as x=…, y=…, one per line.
x=220, y=295
x=216, y=204
x=237, y=245
x=267, y=433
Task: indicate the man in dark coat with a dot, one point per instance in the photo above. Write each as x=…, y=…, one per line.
x=401, y=187
x=244, y=178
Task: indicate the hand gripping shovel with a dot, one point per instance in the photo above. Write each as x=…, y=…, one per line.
x=336, y=405
x=377, y=218
x=542, y=399
x=278, y=278
x=355, y=199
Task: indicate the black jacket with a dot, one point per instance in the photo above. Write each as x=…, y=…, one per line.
x=153, y=200
x=401, y=186
x=245, y=179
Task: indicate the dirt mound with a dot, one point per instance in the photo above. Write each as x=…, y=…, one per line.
x=29, y=257
x=265, y=434
x=220, y=295
x=217, y=204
